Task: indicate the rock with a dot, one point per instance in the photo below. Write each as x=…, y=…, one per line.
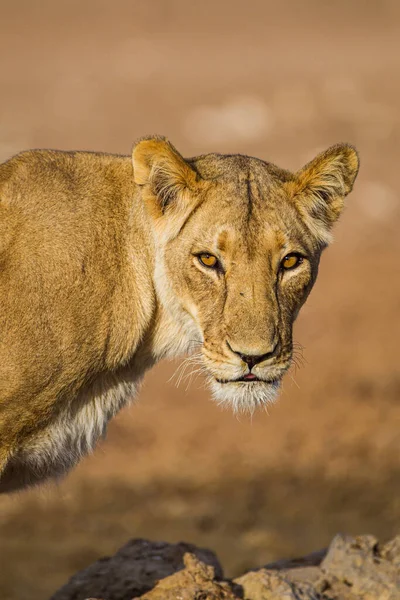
x=351, y=569
x=132, y=571
x=310, y=560
x=391, y=551
x=195, y=582
x=272, y=585
x=367, y=571
x=289, y=579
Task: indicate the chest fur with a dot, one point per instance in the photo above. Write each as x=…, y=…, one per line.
x=72, y=435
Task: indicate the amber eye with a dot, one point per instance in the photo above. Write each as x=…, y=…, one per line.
x=291, y=261
x=208, y=260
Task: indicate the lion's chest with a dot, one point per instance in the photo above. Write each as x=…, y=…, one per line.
x=75, y=432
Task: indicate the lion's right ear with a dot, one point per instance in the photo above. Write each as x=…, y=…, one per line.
x=169, y=181
x=319, y=188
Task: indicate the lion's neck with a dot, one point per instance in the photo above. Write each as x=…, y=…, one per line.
x=169, y=331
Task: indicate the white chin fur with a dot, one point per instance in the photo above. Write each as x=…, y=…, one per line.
x=244, y=397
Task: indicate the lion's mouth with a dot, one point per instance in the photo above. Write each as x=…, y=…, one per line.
x=249, y=378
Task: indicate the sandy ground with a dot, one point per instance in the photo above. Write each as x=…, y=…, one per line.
x=276, y=80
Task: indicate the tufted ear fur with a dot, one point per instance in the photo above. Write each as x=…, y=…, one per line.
x=169, y=182
x=320, y=187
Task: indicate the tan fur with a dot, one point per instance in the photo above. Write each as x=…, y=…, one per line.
x=99, y=279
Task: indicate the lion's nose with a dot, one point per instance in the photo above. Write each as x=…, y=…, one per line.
x=254, y=359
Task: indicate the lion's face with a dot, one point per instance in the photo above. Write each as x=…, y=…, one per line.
x=227, y=268
x=238, y=245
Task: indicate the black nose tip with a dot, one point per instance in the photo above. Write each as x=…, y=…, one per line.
x=254, y=359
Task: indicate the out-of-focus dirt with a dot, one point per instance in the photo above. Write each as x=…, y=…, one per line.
x=351, y=568
x=279, y=80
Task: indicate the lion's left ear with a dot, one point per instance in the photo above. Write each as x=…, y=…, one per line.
x=320, y=187
x=167, y=179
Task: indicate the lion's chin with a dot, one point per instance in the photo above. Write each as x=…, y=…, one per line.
x=244, y=396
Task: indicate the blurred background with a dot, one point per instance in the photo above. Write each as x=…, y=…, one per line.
x=282, y=81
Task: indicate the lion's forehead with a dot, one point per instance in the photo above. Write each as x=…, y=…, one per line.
x=246, y=209
x=242, y=220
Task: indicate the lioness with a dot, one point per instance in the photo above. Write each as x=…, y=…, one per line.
x=108, y=264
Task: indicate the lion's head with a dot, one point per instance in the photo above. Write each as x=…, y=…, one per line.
x=238, y=243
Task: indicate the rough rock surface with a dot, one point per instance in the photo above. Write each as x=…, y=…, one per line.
x=351, y=569
x=197, y=580
x=133, y=570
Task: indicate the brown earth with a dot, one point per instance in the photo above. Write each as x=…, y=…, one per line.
x=276, y=80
